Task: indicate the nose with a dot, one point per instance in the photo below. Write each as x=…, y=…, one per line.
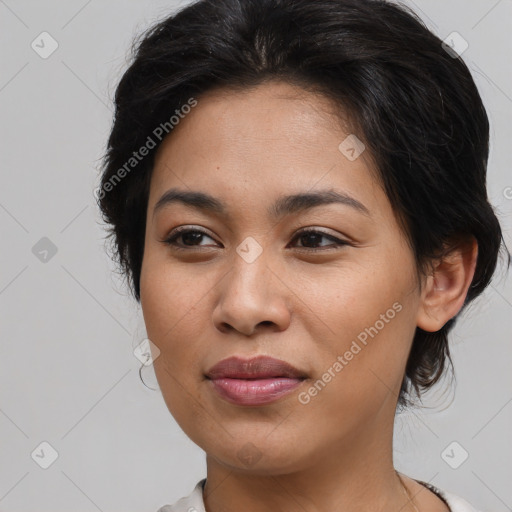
x=252, y=297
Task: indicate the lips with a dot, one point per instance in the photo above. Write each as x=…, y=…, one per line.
x=257, y=381
x=261, y=367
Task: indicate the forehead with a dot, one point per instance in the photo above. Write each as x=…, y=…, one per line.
x=274, y=136
x=271, y=101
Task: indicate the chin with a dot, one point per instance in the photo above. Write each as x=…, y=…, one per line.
x=258, y=455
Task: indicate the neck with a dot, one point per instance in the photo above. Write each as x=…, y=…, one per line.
x=356, y=475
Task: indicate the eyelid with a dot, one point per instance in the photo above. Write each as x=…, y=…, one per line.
x=336, y=240
x=176, y=232
x=315, y=229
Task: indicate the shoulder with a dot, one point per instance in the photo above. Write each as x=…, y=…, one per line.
x=191, y=503
x=454, y=502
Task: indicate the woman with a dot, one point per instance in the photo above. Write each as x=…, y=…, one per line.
x=296, y=194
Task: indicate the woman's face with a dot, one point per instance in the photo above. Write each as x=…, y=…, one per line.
x=340, y=305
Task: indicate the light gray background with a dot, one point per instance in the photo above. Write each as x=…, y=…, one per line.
x=68, y=375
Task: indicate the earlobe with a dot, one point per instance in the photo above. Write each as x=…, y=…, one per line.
x=446, y=287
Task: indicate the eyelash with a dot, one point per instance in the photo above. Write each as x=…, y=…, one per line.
x=171, y=240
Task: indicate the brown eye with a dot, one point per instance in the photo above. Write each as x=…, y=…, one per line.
x=309, y=237
x=190, y=238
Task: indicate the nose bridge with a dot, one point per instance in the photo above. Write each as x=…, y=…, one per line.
x=250, y=278
x=251, y=294
x=250, y=260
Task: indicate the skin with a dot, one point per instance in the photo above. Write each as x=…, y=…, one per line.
x=206, y=303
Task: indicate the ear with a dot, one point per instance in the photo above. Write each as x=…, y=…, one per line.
x=446, y=287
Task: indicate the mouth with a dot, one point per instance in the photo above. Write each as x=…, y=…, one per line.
x=261, y=367
x=257, y=381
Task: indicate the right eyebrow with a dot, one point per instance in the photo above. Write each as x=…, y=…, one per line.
x=194, y=199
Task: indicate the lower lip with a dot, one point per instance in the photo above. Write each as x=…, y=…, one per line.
x=254, y=391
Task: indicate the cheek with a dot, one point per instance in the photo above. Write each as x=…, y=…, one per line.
x=174, y=304
x=167, y=298
x=360, y=372
x=368, y=320
x=170, y=310
x=352, y=297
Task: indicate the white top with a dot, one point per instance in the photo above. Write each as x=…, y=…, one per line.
x=194, y=501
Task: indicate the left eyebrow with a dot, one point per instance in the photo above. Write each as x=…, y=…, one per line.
x=284, y=205
x=295, y=203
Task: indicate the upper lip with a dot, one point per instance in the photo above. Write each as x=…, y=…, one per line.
x=256, y=367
